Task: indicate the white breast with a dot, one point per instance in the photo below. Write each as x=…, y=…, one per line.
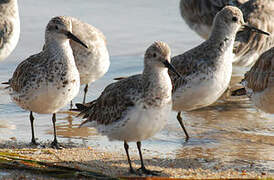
x=46, y=96
x=139, y=124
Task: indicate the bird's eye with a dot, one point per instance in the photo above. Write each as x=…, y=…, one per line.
x=154, y=55
x=235, y=19
x=56, y=27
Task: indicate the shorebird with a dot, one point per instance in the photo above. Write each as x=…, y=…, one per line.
x=92, y=62
x=258, y=83
x=137, y=107
x=206, y=69
x=47, y=81
x=199, y=15
x=9, y=27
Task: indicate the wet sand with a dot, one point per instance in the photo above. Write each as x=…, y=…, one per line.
x=115, y=164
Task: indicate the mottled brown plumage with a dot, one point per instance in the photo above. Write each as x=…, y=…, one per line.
x=259, y=82
x=25, y=70
x=78, y=28
x=114, y=100
x=195, y=61
x=261, y=73
x=47, y=81
x=137, y=107
x=9, y=27
x=202, y=12
x=209, y=56
x=206, y=69
x=92, y=62
x=120, y=96
x=248, y=45
x=6, y=29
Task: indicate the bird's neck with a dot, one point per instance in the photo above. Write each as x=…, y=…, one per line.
x=156, y=85
x=59, y=49
x=220, y=34
x=222, y=39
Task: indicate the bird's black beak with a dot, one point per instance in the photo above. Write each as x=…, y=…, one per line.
x=171, y=67
x=252, y=28
x=76, y=39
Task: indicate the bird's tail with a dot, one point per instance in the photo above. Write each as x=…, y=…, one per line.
x=6, y=83
x=79, y=108
x=238, y=92
x=83, y=109
x=120, y=78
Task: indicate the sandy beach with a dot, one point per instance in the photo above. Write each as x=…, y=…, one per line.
x=90, y=159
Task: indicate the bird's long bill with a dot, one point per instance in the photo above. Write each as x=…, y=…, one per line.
x=256, y=30
x=170, y=67
x=76, y=39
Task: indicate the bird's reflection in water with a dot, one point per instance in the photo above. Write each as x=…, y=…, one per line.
x=67, y=126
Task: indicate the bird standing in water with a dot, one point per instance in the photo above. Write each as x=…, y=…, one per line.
x=47, y=81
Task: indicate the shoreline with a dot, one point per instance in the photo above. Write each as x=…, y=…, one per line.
x=90, y=159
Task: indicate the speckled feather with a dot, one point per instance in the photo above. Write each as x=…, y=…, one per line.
x=49, y=78
x=206, y=69
x=248, y=45
x=9, y=27
x=91, y=32
x=6, y=28
x=92, y=62
x=25, y=70
x=117, y=98
x=196, y=61
x=203, y=12
x=29, y=71
x=261, y=73
x=260, y=14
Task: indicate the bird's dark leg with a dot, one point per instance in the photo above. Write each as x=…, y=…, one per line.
x=143, y=169
x=179, y=117
x=71, y=104
x=85, y=93
x=33, y=141
x=131, y=170
x=55, y=143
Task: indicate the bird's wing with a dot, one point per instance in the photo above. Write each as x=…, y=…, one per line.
x=6, y=29
x=260, y=16
x=192, y=62
x=25, y=71
x=112, y=104
x=261, y=73
x=204, y=11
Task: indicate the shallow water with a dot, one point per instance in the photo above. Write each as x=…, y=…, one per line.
x=231, y=131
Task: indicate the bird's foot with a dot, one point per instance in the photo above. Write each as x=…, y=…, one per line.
x=34, y=143
x=56, y=145
x=145, y=171
x=132, y=171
